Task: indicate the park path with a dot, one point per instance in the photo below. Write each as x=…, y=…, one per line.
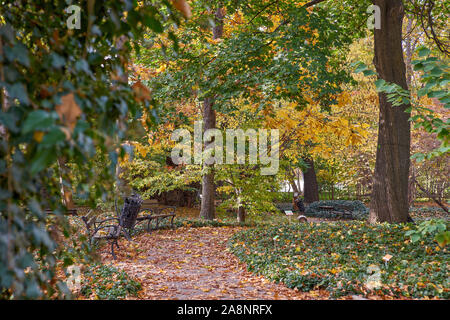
x=194, y=263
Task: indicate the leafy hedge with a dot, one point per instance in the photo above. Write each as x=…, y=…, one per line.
x=356, y=208
x=105, y=282
x=428, y=212
x=193, y=223
x=336, y=256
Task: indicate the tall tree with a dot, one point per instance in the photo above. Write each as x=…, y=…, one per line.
x=310, y=182
x=390, y=184
x=208, y=210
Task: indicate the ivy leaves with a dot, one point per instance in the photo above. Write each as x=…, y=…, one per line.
x=63, y=97
x=336, y=257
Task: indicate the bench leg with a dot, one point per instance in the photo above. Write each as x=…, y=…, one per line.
x=127, y=236
x=171, y=222
x=114, y=242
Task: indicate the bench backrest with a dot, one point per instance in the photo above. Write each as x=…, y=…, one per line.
x=130, y=210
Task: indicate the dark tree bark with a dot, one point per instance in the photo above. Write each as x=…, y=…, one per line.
x=241, y=214
x=389, y=202
x=208, y=210
x=310, y=183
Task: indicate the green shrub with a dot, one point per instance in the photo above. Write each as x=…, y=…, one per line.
x=106, y=282
x=283, y=196
x=356, y=208
x=336, y=257
x=283, y=206
x=427, y=212
x=434, y=227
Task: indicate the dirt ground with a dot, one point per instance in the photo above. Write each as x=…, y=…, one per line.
x=194, y=263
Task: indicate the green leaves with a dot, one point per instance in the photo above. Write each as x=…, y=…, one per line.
x=153, y=24
x=362, y=67
x=53, y=137
x=17, y=52
x=336, y=257
x=37, y=120
x=42, y=159
x=435, y=227
x=43, y=60
x=108, y=283
x=423, y=51
x=443, y=238
x=18, y=91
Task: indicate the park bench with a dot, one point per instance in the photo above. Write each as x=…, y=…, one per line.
x=157, y=213
x=70, y=212
x=132, y=213
x=111, y=228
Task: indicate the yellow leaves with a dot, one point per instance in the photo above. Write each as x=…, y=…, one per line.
x=276, y=19
x=343, y=99
x=38, y=135
x=214, y=41
x=183, y=7
x=162, y=68
x=68, y=112
x=421, y=284
x=141, y=150
x=333, y=271
x=335, y=256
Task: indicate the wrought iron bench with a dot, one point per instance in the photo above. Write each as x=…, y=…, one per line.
x=111, y=228
x=156, y=213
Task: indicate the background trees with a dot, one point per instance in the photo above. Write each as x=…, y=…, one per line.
x=135, y=71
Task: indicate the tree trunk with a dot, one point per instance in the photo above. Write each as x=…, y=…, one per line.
x=241, y=214
x=389, y=202
x=207, y=210
x=310, y=183
x=291, y=178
